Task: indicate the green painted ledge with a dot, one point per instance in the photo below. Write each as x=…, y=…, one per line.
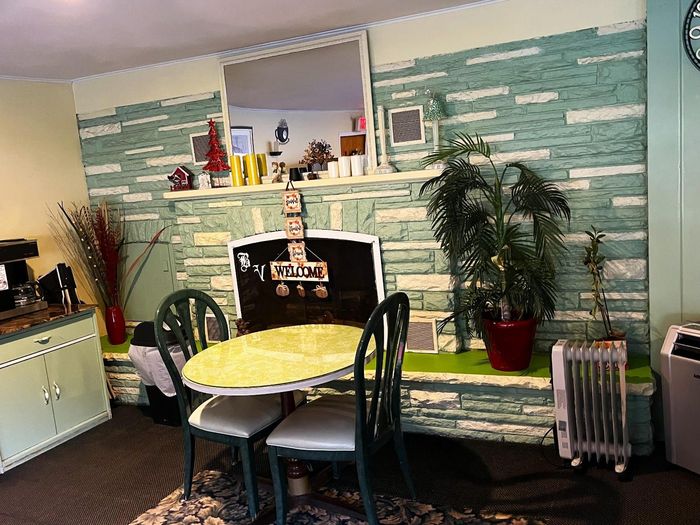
x=473, y=362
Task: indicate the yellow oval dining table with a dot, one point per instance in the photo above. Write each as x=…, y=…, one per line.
x=279, y=360
x=274, y=361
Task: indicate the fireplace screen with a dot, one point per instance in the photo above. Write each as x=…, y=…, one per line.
x=353, y=290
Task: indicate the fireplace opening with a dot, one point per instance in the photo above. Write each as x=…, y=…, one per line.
x=353, y=288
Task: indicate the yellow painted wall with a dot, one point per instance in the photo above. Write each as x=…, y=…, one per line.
x=498, y=22
x=41, y=163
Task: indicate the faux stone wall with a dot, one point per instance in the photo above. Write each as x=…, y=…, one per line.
x=570, y=106
x=496, y=408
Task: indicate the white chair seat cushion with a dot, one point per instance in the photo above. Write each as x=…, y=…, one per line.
x=240, y=416
x=327, y=424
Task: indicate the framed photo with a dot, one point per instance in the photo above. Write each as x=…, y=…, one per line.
x=406, y=126
x=200, y=148
x=294, y=228
x=242, y=140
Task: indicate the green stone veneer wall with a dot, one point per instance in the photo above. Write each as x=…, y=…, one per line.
x=570, y=106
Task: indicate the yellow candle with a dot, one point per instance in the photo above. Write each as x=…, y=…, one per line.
x=251, y=169
x=237, y=171
x=262, y=164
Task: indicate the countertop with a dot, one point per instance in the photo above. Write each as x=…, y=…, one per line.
x=54, y=312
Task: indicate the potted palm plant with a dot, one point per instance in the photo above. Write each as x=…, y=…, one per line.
x=500, y=229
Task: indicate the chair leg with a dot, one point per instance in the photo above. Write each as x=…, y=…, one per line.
x=366, y=490
x=400, y=448
x=189, y=464
x=279, y=481
x=251, y=483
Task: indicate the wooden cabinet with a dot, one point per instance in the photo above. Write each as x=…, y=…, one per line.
x=352, y=144
x=52, y=387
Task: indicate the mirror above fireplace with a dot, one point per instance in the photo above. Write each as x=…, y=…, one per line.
x=320, y=88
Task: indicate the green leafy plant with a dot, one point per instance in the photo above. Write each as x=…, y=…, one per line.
x=502, y=241
x=594, y=262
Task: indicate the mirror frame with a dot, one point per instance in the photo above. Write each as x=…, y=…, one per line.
x=311, y=42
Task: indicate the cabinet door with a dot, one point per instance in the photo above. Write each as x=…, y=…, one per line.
x=26, y=416
x=155, y=278
x=77, y=383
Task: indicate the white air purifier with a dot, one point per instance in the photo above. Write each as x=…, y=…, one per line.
x=680, y=384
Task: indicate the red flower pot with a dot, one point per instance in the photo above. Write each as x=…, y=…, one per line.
x=116, y=326
x=509, y=343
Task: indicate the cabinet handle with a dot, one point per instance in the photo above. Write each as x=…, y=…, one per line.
x=47, y=397
x=57, y=390
x=43, y=340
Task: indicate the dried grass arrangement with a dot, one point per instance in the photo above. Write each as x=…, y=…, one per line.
x=92, y=238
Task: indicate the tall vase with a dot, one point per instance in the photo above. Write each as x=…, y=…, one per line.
x=116, y=326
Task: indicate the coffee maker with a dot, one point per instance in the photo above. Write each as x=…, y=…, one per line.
x=18, y=295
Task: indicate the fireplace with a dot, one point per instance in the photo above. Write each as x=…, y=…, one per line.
x=346, y=294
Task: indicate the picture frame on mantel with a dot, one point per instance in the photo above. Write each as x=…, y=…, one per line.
x=200, y=147
x=242, y=140
x=406, y=126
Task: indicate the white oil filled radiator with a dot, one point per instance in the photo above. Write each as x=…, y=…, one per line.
x=590, y=400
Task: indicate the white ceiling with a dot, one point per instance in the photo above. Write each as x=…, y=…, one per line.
x=69, y=39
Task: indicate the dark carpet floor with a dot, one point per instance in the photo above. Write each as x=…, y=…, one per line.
x=113, y=473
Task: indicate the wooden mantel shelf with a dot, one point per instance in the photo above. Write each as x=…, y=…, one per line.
x=404, y=176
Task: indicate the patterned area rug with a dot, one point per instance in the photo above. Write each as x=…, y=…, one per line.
x=219, y=499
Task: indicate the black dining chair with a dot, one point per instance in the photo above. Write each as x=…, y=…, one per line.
x=237, y=421
x=352, y=428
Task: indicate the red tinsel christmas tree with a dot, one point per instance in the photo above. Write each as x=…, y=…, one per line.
x=215, y=155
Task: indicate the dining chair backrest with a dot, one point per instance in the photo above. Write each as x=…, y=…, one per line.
x=385, y=333
x=176, y=312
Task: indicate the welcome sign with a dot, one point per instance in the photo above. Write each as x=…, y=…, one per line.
x=298, y=271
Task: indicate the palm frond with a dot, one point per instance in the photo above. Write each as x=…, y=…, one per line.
x=460, y=145
x=503, y=261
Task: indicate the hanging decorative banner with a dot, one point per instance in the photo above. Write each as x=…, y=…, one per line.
x=294, y=227
x=297, y=251
x=292, y=201
x=299, y=271
x=297, y=268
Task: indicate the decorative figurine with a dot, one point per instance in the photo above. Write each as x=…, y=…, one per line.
x=181, y=179
x=204, y=181
x=320, y=291
x=282, y=290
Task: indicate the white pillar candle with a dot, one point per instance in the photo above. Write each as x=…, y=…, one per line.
x=357, y=164
x=345, y=166
x=333, y=169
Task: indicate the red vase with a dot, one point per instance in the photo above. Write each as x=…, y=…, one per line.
x=116, y=326
x=509, y=343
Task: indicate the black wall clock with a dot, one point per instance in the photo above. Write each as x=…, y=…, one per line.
x=691, y=33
